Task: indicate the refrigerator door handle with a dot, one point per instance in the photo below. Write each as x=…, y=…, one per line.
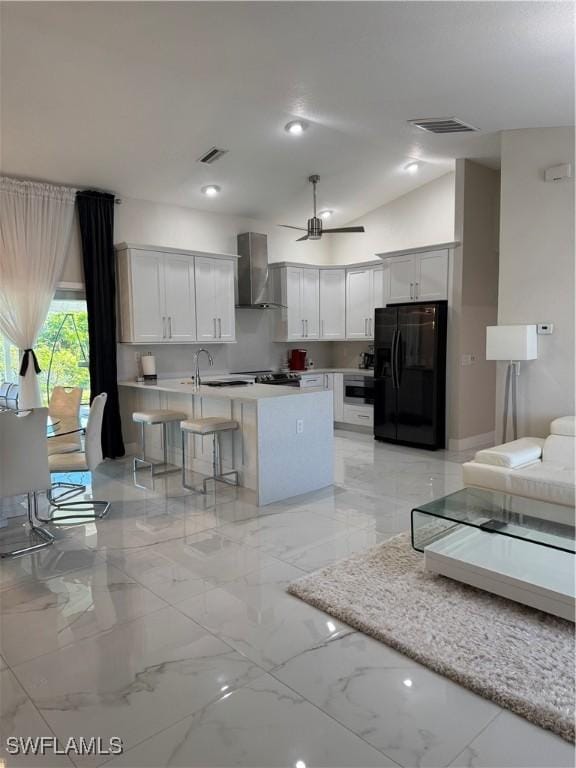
x=397, y=359
x=394, y=337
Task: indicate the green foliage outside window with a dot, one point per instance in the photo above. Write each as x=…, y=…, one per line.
x=69, y=361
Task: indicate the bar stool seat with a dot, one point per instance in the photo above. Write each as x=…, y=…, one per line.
x=211, y=425
x=161, y=416
x=158, y=416
x=208, y=425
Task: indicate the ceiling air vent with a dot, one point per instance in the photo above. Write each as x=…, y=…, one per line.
x=442, y=125
x=212, y=155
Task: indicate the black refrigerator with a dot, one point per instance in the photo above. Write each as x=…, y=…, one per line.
x=410, y=374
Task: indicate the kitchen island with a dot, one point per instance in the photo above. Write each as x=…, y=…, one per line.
x=284, y=446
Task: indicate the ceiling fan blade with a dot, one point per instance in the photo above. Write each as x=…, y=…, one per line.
x=289, y=226
x=302, y=238
x=344, y=229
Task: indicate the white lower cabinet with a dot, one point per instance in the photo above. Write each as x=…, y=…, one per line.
x=361, y=415
x=338, y=389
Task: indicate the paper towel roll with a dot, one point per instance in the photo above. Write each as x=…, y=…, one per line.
x=148, y=365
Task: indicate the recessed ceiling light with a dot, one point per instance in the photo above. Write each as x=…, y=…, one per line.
x=211, y=190
x=412, y=167
x=407, y=682
x=296, y=127
x=325, y=214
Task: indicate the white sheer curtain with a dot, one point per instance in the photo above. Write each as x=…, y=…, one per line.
x=35, y=226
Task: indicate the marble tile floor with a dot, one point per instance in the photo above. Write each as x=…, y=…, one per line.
x=167, y=624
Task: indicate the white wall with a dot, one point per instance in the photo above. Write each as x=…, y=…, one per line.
x=422, y=217
x=173, y=226
x=473, y=306
x=536, y=276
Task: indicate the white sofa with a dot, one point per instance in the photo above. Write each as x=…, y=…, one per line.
x=533, y=467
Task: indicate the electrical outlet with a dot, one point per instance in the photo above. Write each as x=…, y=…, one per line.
x=545, y=329
x=299, y=426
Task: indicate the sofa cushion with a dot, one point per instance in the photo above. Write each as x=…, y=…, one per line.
x=547, y=481
x=565, y=425
x=559, y=449
x=518, y=453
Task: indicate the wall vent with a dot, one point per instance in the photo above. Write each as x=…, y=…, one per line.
x=442, y=125
x=212, y=155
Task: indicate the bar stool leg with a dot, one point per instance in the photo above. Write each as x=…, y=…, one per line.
x=165, y=443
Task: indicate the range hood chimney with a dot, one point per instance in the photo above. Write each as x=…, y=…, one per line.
x=254, y=290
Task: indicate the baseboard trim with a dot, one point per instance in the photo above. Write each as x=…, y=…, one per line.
x=476, y=441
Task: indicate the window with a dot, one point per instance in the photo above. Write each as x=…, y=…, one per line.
x=61, y=349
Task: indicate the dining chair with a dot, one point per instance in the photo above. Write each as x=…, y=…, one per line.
x=65, y=404
x=4, y=389
x=12, y=396
x=24, y=468
x=86, y=460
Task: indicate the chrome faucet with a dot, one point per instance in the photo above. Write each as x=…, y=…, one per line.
x=196, y=362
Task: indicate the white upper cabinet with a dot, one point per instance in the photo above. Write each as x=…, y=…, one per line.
x=418, y=277
x=431, y=282
x=332, y=304
x=298, y=290
x=215, y=299
x=311, y=302
x=174, y=297
x=224, y=277
x=180, y=301
x=401, y=270
x=358, y=289
x=145, y=288
x=364, y=292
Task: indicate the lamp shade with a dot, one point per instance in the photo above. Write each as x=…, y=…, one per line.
x=511, y=342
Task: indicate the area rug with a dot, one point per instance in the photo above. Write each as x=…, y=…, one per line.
x=518, y=657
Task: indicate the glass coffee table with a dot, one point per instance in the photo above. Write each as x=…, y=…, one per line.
x=519, y=548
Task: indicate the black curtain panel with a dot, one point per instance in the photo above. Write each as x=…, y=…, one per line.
x=96, y=216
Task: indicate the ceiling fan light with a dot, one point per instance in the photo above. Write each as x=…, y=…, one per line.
x=412, y=167
x=326, y=214
x=211, y=190
x=296, y=127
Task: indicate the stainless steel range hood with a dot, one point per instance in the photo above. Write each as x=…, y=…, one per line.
x=254, y=288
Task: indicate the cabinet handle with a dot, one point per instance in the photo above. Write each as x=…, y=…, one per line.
x=163, y=327
x=362, y=416
x=219, y=327
x=215, y=331
x=416, y=290
x=411, y=290
x=169, y=327
x=306, y=321
x=322, y=328
x=302, y=328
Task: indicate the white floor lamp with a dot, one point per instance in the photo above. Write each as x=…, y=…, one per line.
x=512, y=343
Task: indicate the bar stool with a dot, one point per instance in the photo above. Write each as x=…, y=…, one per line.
x=159, y=416
x=215, y=426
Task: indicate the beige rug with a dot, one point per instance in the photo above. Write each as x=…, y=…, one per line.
x=518, y=657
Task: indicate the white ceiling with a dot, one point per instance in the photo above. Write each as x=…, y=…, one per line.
x=127, y=96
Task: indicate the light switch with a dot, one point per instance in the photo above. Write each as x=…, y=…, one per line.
x=299, y=426
x=545, y=329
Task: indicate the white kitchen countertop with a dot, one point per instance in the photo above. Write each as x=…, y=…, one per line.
x=251, y=392
x=355, y=371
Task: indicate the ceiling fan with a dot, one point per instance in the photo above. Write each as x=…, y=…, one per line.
x=314, y=230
